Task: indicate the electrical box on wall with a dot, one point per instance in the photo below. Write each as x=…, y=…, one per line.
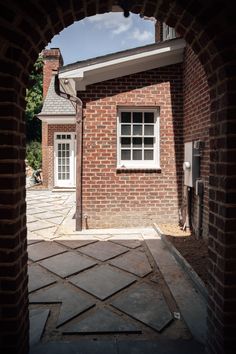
x=191, y=165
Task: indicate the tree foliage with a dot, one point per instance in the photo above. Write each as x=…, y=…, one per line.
x=34, y=154
x=34, y=100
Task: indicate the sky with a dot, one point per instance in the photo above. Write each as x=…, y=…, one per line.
x=102, y=34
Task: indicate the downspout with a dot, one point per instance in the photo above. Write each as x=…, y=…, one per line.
x=79, y=147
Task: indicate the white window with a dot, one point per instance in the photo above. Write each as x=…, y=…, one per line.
x=138, y=138
x=168, y=32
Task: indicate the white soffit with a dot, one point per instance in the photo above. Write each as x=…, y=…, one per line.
x=57, y=119
x=167, y=53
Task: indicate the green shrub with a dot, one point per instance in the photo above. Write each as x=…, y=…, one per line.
x=34, y=154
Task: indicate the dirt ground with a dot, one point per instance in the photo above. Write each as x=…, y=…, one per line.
x=193, y=250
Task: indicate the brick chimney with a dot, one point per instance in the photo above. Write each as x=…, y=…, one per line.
x=158, y=32
x=52, y=61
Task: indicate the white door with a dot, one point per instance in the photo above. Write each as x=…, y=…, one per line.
x=64, y=152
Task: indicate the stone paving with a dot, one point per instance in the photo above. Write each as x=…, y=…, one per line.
x=99, y=283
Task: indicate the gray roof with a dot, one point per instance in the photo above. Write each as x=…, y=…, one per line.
x=54, y=104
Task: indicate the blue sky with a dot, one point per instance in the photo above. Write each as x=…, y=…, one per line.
x=103, y=34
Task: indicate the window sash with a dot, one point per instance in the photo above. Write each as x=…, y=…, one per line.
x=127, y=147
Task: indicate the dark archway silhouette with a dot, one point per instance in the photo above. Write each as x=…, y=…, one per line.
x=26, y=28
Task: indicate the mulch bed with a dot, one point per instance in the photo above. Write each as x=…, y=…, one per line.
x=193, y=250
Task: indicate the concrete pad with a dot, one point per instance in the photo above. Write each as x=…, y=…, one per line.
x=44, y=249
x=38, y=318
x=101, y=321
x=39, y=225
x=39, y=277
x=134, y=262
x=74, y=243
x=68, y=263
x=191, y=303
x=102, y=281
x=72, y=301
x=103, y=250
x=146, y=305
x=33, y=210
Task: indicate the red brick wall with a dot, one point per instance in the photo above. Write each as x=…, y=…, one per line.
x=111, y=198
x=52, y=60
x=196, y=105
x=48, y=149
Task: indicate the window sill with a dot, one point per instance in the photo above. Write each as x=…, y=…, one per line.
x=136, y=169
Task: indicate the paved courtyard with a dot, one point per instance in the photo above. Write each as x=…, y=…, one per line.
x=103, y=285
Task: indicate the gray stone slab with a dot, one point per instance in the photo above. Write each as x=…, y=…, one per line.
x=127, y=239
x=31, y=218
x=191, y=303
x=134, y=262
x=160, y=346
x=57, y=220
x=39, y=277
x=103, y=250
x=39, y=225
x=47, y=233
x=76, y=347
x=72, y=301
x=146, y=305
x=126, y=243
x=102, y=281
x=44, y=249
x=47, y=215
x=68, y=263
x=38, y=318
x=101, y=321
x=75, y=243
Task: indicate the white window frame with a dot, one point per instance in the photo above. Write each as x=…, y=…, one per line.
x=72, y=143
x=168, y=32
x=139, y=164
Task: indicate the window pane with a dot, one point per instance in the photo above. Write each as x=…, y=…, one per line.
x=68, y=137
x=148, y=117
x=137, y=117
x=125, y=142
x=125, y=129
x=58, y=137
x=137, y=154
x=125, y=117
x=149, y=130
x=137, y=142
x=125, y=154
x=63, y=136
x=137, y=129
x=148, y=154
x=148, y=142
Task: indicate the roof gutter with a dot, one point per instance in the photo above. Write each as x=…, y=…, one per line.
x=61, y=90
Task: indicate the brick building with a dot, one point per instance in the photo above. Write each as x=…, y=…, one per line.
x=137, y=108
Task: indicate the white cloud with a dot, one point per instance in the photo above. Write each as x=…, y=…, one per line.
x=115, y=22
x=141, y=36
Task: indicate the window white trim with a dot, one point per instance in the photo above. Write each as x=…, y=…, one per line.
x=168, y=32
x=139, y=164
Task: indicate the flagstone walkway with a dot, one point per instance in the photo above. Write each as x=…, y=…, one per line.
x=101, y=285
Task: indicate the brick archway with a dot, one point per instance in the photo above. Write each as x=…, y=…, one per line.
x=26, y=27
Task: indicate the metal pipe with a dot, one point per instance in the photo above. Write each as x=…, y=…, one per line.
x=79, y=148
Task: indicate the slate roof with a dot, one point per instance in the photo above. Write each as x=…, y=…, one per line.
x=54, y=104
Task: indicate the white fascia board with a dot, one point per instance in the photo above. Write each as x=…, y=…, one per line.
x=178, y=44
x=51, y=119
